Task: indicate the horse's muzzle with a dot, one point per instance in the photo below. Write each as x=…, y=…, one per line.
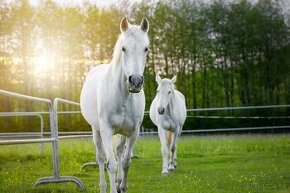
x=135, y=83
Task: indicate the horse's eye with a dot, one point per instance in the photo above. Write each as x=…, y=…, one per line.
x=123, y=49
x=146, y=49
x=169, y=92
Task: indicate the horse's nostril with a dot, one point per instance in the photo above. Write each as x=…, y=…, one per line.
x=142, y=79
x=161, y=110
x=130, y=79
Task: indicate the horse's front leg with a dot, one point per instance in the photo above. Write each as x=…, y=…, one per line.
x=162, y=137
x=173, y=147
x=126, y=161
x=107, y=137
x=100, y=154
x=120, y=152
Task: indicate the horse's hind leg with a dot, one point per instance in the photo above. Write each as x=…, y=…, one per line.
x=120, y=151
x=100, y=154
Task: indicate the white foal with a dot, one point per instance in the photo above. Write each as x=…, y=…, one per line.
x=168, y=113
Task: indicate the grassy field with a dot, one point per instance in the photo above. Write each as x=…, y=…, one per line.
x=241, y=163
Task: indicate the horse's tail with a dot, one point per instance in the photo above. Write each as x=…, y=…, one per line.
x=169, y=138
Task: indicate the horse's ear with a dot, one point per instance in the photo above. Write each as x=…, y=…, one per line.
x=173, y=80
x=158, y=79
x=145, y=25
x=124, y=25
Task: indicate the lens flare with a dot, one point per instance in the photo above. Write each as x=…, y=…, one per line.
x=43, y=63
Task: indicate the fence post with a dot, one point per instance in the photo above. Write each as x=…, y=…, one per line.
x=56, y=178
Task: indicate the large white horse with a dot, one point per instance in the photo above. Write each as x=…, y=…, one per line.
x=113, y=102
x=168, y=113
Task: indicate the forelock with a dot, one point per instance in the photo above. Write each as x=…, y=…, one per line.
x=137, y=34
x=165, y=82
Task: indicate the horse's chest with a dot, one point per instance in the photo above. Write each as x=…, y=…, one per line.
x=123, y=114
x=124, y=121
x=167, y=123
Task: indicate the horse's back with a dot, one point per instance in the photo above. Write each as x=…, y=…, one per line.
x=89, y=94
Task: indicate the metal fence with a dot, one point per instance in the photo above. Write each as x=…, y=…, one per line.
x=246, y=108
x=52, y=107
x=55, y=135
x=148, y=131
x=21, y=135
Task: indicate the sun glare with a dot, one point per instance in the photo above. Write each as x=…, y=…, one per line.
x=44, y=60
x=43, y=63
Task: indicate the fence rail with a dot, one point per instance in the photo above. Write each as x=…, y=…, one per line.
x=26, y=141
x=55, y=135
x=24, y=114
x=238, y=108
x=85, y=134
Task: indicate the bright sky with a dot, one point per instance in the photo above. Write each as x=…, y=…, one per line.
x=100, y=3
x=105, y=3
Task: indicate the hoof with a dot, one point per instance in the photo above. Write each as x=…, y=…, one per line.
x=164, y=172
x=118, y=188
x=171, y=168
x=122, y=191
x=135, y=156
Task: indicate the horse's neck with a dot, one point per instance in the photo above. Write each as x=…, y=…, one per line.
x=118, y=81
x=172, y=105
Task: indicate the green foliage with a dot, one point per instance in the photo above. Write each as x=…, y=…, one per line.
x=225, y=53
x=206, y=164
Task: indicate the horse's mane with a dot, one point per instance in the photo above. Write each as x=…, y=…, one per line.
x=136, y=32
x=117, y=52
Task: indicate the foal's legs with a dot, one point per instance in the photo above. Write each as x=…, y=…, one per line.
x=120, y=151
x=173, y=146
x=162, y=137
x=100, y=154
x=126, y=161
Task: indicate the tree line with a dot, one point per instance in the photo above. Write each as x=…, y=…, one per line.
x=224, y=53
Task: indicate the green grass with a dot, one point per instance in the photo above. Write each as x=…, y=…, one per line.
x=242, y=163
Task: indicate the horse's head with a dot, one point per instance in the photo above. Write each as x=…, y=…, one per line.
x=134, y=45
x=165, y=91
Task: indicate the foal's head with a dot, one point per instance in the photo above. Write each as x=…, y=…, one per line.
x=134, y=47
x=165, y=91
